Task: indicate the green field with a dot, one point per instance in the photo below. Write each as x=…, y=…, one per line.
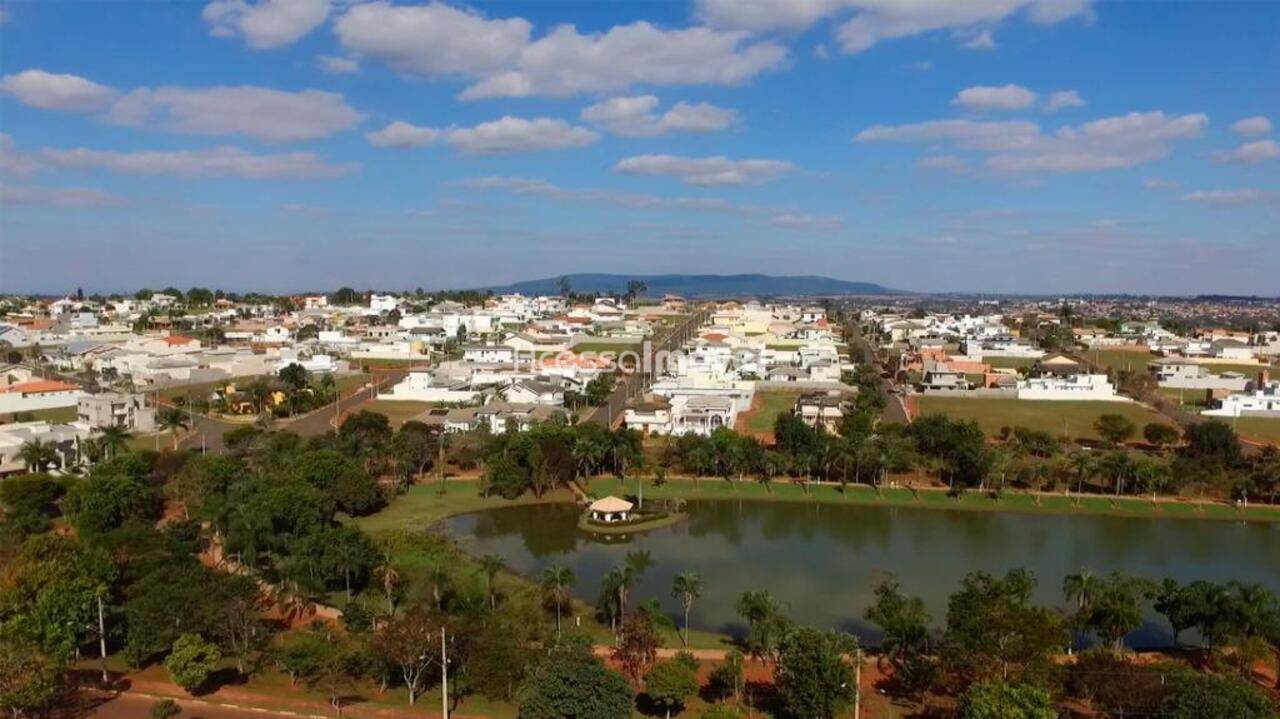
x=1075, y=419
x=1258, y=429
x=1009, y=362
x=55, y=415
x=1119, y=360
x=787, y=491
x=398, y=412
x=766, y=407
x=1189, y=398
x=598, y=347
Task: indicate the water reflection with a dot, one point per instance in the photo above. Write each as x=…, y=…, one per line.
x=823, y=561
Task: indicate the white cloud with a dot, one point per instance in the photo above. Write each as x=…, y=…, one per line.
x=15, y=162
x=944, y=163
x=636, y=116
x=52, y=91
x=265, y=24
x=705, y=171
x=1233, y=197
x=214, y=162
x=258, y=112
x=1157, y=184
x=402, y=135
x=338, y=65
x=785, y=219
x=518, y=134
x=1108, y=143
x=433, y=40
x=1251, y=152
x=982, y=41
x=1062, y=99
x=1003, y=97
x=503, y=59
x=1251, y=126
x=791, y=221
x=58, y=196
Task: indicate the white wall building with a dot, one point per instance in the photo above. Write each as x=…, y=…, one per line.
x=1069, y=387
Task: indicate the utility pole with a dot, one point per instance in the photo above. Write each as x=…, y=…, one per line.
x=857, y=683
x=444, y=677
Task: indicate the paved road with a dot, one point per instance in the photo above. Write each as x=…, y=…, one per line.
x=208, y=431
x=633, y=385
x=131, y=705
x=894, y=409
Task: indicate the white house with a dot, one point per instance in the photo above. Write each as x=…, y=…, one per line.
x=421, y=385
x=1077, y=386
x=1262, y=400
x=37, y=395
x=1180, y=374
x=701, y=415
x=501, y=354
x=651, y=417
x=65, y=438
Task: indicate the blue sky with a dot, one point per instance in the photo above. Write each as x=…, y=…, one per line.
x=1040, y=146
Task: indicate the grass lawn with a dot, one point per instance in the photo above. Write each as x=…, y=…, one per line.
x=765, y=409
x=55, y=415
x=423, y=505
x=598, y=347
x=1134, y=360
x=351, y=382
x=1009, y=362
x=1046, y=415
x=139, y=442
x=788, y=491
x=204, y=389
x=397, y=411
x=1258, y=429
x=1190, y=398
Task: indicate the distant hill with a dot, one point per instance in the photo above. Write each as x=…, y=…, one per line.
x=702, y=285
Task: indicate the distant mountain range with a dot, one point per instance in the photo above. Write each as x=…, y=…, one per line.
x=702, y=285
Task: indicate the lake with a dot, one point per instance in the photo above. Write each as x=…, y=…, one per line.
x=823, y=561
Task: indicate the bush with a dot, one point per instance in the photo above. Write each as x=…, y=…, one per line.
x=192, y=661
x=998, y=700
x=164, y=709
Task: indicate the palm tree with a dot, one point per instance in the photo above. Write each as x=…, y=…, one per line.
x=556, y=581
x=1083, y=466
x=38, y=455
x=1118, y=466
x=491, y=564
x=113, y=439
x=173, y=419
x=686, y=587
x=1081, y=588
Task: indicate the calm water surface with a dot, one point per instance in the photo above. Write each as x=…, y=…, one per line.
x=823, y=561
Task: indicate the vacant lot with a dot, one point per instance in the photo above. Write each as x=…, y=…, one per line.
x=1074, y=419
x=1009, y=362
x=55, y=415
x=765, y=408
x=1258, y=429
x=1119, y=360
x=397, y=411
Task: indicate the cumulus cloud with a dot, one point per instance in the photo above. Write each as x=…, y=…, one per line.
x=506, y=135
x=1251, y=153
x=503, y=59
x=214, y=162
x=1108, y=143
x=705, y=171
x=1061, y=100
x=1251, y=126
x=637, y=116
x=338, y=65
x=58, y=196
x=518, y=134
x=402, y=135
x=984, y=40
x=1233, y=197
x=258, y=112
x=12, y=161
x=53, y=91
x=1003, y=97
x=265, y=24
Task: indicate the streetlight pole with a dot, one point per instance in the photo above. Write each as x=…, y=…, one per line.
x=444, y=677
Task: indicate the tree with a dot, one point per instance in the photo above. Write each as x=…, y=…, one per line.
x=1158, y=434
x=300, y=653
x=38, y=456
x=573, y=683
x=998, y=700
x=907, y=644
x=192, y=661
x=409, y=643
x=995, y=632
x=687, y=586
x=726, y=679
x=1196, y=696
x=638, y=644
x=557, y=584
x=1115, y=429
x=765, y=623
x=164, y=709
x=815, y=676
x=671, y=682
x=1213, y=443
x=492, y=565
x=113, y=439
x=294, y=376
x=30, y=681
x=1176, y=603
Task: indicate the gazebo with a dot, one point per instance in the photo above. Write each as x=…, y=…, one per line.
x=610, y=509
